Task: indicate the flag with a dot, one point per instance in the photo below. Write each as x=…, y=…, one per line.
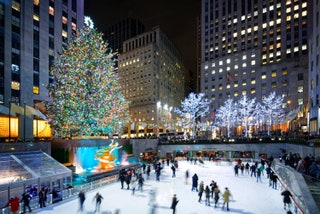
x=5, y=110
x=17, y=109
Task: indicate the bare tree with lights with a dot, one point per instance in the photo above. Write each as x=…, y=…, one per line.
x=86, y=98
x=193, y=107
x=226, y=115
x=246, y=109
x=273, y=110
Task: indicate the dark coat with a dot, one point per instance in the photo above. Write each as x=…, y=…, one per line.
x=286, y=196
x=195, y=180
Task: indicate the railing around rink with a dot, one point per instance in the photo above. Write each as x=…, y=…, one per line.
x=303, y=202
x=67, y=193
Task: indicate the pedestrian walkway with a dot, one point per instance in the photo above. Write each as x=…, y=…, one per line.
x=248, y=195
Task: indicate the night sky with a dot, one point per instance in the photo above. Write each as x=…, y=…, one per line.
x=176, y=18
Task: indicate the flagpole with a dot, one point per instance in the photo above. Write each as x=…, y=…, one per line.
x=24, y=122
x=9, y=120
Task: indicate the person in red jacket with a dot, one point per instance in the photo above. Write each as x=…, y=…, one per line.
x=14, y=204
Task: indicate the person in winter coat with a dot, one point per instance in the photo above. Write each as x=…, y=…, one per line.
x=174, y=203
x=226, y=198
x=14, y=204
x=133, y=184
x=122, y=178
x=98, y=199
x=140, y=182
x=201, y=189
x=128, y=180
x=207, y=194
x=82, y=198
x=42, y=197
x=216, y=195
x=286, y=198
x=173, y=168
x=26, y=200
x=195, y=182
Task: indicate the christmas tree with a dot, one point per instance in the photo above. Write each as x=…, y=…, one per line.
x=86, y=98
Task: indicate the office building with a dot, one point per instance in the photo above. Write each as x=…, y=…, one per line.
x=32, y=32
x=314, y=70
x=253, y=48
x=151, y=73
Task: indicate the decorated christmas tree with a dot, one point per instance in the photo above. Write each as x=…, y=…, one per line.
x=86, y=98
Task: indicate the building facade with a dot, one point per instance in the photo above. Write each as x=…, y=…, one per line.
x=151, y=72
x=32, y=32
x=314, y=71
x=253, y=48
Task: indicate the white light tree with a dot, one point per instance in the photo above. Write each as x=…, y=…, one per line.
x=192, y=108
x=245, y=112
x=258, y=115
x=226, y=114
x=272, y=109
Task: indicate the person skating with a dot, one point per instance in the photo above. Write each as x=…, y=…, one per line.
x=216, y=195
x=26, y=200
x=98, y=198
x=286, y=198
x=226, y=198
x=82, y=198
x=194, y=182
x=207, y=194
x=122, y=178
x=201, y=189
x=174, y=203
x=173, y=168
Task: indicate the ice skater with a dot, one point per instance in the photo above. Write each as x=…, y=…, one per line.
x=98, y=199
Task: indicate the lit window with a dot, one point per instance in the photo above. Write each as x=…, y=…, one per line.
x=296, y=7
x=220, y=62
x=253, y=62
x=206, y=67
x=51, y=11
x=36, y=2
x=304, y=4
x=296, y=49
x=255, y=28
x=300, y=89
x=236, y=93
x=271, y=23
x=228, y=68
x=213, y=72
x=220, y=70
x=236, y=84
x=74, y=26
x=220, y=87
x=228, y=86
x=236, y=67
x=228, y=61
x=253, y=90
x=244, y=64
x=300, y=101
x=264, y=25
x=36, y=17
x=278, y=21
x=304, y=47
x=288, y=51
x=15, y=6
x=253, y=81
x=263, y=76
x=244, y=92
x=296, y=15
x=244, y=57
x=64, y=34
x=273, y=85
x=304, y=13
x=64, y=20
x=288, y=10
x=288, y=18
x=213, y=64
x=273, y=73
x=35, y=89
x=284, y=72
x=15, y=85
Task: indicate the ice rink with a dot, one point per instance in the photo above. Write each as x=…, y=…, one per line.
x=248, y=195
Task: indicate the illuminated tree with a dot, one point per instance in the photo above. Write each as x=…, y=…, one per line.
x=246, y=109
x=226, y=115
x=86, y=98
x=193, y=107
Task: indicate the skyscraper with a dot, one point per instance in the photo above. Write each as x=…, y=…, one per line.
x=32, y=32
x=314, y=70
x=253, y=48
x=151, y=72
